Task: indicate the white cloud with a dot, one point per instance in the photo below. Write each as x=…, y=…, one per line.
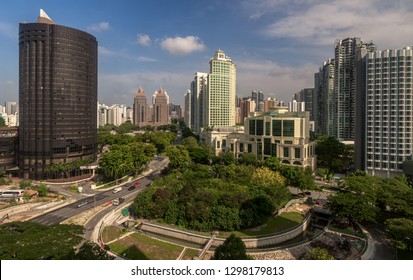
x=99, y=27
x=316, y=22
x=144, y=40
x=106, y=52
x=183, y=45
x=273, y=79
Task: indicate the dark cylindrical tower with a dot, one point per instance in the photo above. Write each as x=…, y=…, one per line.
x=57, y=97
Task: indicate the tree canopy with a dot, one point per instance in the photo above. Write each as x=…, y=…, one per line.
x=233, y=248
x=32, y=241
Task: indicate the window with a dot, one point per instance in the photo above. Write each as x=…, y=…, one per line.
x=297, y=152
x=276, y=128
x=267, y=146
x=252, y=127
x=286, y=151
x=288, y=128
x=260, y=127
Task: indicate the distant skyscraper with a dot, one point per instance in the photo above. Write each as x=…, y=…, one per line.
x=57, y=96
x=220, y=107
x=345, y=86
x=389, y=118
x=247, y=106
x=258, y=97
x=11, y=107
x=198, y=100
x=187, y=108
x=160, y=101
x=323, y=100
x=140, y=108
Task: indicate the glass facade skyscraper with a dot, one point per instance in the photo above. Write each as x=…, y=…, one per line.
x=57, y=96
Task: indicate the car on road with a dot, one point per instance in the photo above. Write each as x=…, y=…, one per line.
x=83, y=203
x=136, y=183
x=131, y=188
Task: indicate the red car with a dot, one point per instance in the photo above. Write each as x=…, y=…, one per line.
x=136, y=183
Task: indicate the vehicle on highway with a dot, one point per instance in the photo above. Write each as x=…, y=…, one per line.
x=131, y=188
x=83, y=203
x=118, y=201
x=117, y=189
x=136, y=183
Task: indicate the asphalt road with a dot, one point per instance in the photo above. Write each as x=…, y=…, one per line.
x=64, y=213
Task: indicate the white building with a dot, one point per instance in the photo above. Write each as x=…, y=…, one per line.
x=220, y=105
x=389, y=124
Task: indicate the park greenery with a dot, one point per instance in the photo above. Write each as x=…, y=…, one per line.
x=32, y=241
x=233, y=248
x=123, y=154
x=318, y=254
x=332, y=156
x=2, y=122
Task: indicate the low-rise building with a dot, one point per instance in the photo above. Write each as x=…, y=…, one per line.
x=279, y=133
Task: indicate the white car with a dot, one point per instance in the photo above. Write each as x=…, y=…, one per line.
x=81, y=204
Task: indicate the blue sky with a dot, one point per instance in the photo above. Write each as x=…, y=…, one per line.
x=277, y=45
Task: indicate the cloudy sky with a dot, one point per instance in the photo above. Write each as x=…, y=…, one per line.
x=277, y=45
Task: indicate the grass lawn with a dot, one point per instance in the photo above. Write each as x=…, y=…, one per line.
x=111, y=232
x=190, y=254
x=141, y=247
x=276, y=224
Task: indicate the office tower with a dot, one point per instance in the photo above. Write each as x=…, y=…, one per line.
x=345, y=86
x=324, y=101
x=220, y=107
x=258, y=97
x=160, y=112
x=247, y=106
x=296, y=106
x=140, y=108
x=389, y=125
x=57, y=97
x=198, y=100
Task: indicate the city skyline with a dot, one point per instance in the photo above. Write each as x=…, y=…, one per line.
x=162, y=43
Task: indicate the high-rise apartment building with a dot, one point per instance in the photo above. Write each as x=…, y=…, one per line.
x=11, y=107
x=220, y=105
x=323, y=99
x=187, y=108
x=389, y=124
x=198, y=101
x=57, y=96
x=345, y=75
x=140, y=108
x=247, y=106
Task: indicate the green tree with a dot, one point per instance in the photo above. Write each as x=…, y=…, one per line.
x=178, y=157
x=233, y=248
x=89, y=251
x=357, y=199
x=117, y=163
x=248, y=159
x=401, y=229
x=331, y=153
x=2, y=122
x=32, y=241
x=42, y=189
x=318, y=254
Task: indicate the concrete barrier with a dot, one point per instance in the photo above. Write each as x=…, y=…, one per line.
x=249, y=242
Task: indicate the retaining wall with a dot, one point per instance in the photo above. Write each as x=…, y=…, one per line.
x=249, y=242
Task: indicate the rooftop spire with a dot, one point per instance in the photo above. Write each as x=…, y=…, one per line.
x=44, y=18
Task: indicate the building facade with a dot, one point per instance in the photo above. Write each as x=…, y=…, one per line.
x=8, y=147
x=160, y=109
x=198, y=101
x=279, y=133
x=57, y=96
x=324, y=100
x=220, y=105
x=140, y=108
x=389, y=124
x=345, y=75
